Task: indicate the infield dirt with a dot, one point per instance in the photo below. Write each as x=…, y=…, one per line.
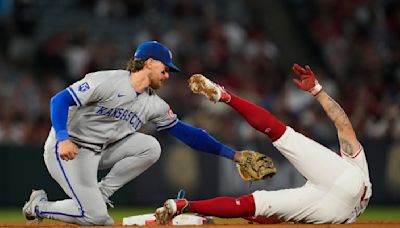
x=236, y=224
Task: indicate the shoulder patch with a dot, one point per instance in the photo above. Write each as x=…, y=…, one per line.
x=84, y=87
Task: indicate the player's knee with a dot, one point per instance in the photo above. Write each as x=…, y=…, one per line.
x=154, y=150
x=104, y=221
x=99, y=219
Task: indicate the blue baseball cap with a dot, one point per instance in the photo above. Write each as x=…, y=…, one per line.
x=157, y=51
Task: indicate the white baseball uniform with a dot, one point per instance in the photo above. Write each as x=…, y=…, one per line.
x=337, y=188
x=103, y=125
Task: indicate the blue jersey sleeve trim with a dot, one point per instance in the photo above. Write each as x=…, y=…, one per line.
x=173, y=123
x=59, y=106
x=199, y=139
x=62, y=135
x=74, y=96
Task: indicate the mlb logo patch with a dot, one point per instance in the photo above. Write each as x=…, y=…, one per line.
x=84, y=87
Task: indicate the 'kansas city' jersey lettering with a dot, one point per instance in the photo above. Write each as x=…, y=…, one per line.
x=108, y=109
x=121, y=114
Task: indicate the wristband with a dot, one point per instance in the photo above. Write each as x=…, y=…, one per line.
x=316, y=89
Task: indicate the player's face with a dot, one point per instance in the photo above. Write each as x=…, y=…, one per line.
x=159, y=73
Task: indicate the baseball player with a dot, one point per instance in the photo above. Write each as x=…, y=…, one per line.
x=337, y=190
x=95, y=123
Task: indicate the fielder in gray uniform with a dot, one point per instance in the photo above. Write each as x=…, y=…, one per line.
x=95, y=123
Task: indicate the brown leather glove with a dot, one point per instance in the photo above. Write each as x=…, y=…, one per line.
x=255, y=166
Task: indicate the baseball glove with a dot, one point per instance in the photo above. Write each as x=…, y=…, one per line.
x=255, y=166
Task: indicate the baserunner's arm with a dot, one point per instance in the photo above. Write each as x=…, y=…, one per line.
x=347, y=137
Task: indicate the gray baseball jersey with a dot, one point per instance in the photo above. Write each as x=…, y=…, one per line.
x=106, y=118
x=108, y=109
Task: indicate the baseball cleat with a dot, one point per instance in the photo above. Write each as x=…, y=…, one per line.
x=163, y=217
x=214, y=92
x=171, y=208
x=30, y=208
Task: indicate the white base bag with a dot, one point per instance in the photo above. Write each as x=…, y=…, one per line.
x=180, y=220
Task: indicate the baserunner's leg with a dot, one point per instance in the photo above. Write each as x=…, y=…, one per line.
x=259, y=118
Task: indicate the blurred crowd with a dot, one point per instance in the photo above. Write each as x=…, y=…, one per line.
x=356, y=43
x=359, y=44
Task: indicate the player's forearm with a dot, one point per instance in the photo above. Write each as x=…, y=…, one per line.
x=59, y=106
x=333, y=110
x=305, y=80
x=199, y=139
x=347, y=137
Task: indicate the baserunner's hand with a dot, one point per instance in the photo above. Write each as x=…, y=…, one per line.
x=67, y=149
x=305, y=79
